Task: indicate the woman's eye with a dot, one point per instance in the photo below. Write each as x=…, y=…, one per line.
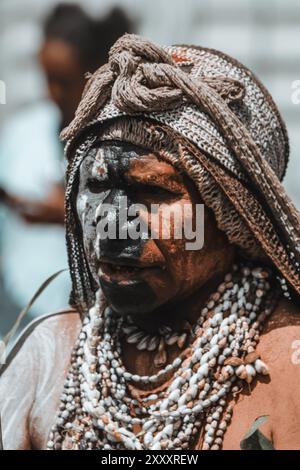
x=96, y=186
x=161, y=192
x=157, y=191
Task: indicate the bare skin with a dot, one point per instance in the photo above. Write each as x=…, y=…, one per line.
x=276, y=396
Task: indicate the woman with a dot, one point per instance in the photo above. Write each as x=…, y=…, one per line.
x=168, y=347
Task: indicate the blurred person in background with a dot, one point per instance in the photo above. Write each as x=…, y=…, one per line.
x=31, y=158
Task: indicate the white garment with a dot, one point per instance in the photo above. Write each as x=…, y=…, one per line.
x=30, y=163
x=31, y=386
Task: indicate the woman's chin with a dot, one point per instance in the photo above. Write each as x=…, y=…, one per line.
x=131, y=297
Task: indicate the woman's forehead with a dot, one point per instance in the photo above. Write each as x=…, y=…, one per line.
x=123, y=157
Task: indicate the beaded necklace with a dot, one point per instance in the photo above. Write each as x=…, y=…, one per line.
x=98, y=408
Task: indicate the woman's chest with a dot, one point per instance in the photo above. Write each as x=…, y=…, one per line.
x=247, y=408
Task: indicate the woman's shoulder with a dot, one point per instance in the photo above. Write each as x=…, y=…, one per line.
x=284, y=323
x=32, y=377
x=279, y=348
x=282, y=332
x=62, y=326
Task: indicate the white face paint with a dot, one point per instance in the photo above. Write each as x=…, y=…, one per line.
x=99, y=169
x=81, y=204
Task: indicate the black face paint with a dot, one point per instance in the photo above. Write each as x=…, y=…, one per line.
x=132, y=298
x=102, y=181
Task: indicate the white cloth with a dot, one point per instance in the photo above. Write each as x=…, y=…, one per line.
x=31, y=386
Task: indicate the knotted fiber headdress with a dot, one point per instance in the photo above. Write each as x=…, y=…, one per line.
x=222, y=121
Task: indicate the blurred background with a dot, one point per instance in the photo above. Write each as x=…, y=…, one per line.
x=45, y=49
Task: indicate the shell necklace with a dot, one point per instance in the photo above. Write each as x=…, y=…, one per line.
x=99, y=410
x=158, y=342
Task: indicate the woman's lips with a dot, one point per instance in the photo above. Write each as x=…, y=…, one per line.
x=126, y=272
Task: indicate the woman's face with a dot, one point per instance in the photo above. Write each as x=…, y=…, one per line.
x=139, y=274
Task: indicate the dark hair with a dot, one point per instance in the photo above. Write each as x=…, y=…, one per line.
x=92, y=38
